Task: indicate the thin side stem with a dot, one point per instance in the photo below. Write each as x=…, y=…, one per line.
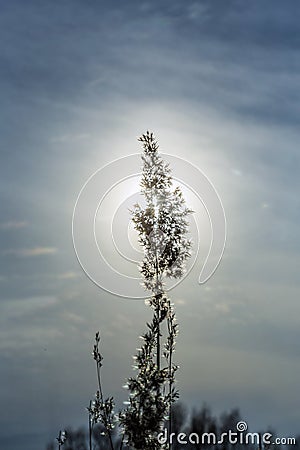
x=99, y=380
x=170, y=382
x=90, y=429
x=121, y=444
x=101, y=398
x=110, y=440
x=98, y=366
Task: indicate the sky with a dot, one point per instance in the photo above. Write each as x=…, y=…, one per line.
x=218, y=83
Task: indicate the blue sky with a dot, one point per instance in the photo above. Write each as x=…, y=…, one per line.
x=218, y=83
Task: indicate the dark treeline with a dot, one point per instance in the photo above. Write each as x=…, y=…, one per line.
x=199, y=423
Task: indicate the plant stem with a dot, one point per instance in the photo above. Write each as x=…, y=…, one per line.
x=98, y=365
x=121, y=445
x=170, y=376
x=158, y=335
x=90, y=429
x=157, y=296
x=99, y=381
x=110, y=441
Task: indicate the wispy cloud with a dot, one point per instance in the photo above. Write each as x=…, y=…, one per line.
x=13, y=225
x=67, y=276
x=30, y=252
x=73, y=318
x=21, y=306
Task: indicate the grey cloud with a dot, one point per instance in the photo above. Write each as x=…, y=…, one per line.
x=13, y=224
x=30, y=252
